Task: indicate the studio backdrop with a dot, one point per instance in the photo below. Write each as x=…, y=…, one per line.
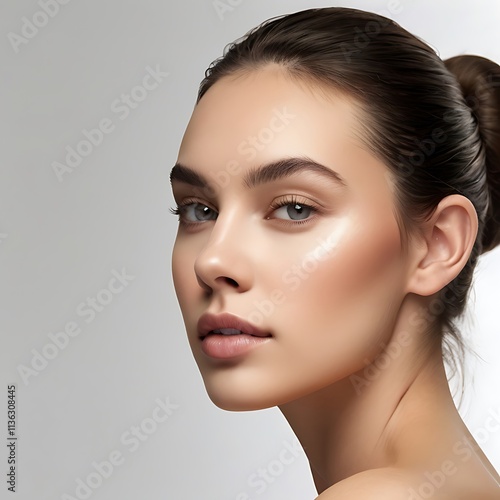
x=100, y=395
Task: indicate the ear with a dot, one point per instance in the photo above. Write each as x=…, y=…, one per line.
x=443, y=245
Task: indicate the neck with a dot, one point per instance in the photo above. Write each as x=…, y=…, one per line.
x=350, y=426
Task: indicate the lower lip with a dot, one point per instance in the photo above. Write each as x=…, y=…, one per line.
x=230, y=346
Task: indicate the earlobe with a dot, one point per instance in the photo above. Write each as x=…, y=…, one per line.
x=444, y=245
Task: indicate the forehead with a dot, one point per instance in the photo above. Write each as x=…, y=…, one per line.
x=268, y=112
x=262, y=116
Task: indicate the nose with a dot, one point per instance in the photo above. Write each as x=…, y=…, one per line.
x=225, y=262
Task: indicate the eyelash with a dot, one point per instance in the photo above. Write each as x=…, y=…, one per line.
x=294, y=200
x=289, y=200
x=178, y=209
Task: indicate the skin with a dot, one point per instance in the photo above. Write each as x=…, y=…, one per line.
x=351, y=362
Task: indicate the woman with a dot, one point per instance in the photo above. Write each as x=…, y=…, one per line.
x=335, y=186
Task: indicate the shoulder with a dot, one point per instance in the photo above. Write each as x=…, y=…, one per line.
x=399, y=484
x=376, y=484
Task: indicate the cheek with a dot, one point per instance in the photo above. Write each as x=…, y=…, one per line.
x=183, y=275
x=344, y=308
x=362, y=272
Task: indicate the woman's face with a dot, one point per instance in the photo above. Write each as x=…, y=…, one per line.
x=293, y=232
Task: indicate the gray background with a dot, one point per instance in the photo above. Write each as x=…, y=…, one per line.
x=61, y=240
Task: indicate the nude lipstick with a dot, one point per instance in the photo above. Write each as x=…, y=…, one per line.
x=225, y=336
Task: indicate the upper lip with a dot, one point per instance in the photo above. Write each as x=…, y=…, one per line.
x=209, y=322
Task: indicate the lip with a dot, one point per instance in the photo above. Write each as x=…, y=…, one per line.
x=209, y=322
x=218, y=346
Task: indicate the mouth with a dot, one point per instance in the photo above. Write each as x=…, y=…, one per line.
x=227, y=325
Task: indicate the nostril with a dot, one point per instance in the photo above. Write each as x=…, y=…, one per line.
x=221, y=279
x=231, y=282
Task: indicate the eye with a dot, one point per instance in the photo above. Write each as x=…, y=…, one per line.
x=194, y=212
x=295, y=211
x=292, y=209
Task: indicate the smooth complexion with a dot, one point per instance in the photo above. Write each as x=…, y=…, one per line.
x=315, y=259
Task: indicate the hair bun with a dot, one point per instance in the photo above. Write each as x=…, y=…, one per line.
x=479, y=79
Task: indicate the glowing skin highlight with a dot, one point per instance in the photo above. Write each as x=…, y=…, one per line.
x=314, y=260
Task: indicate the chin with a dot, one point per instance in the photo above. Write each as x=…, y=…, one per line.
x=250, y=394
x=238, y=403
x=238, y=400
x=239, y=395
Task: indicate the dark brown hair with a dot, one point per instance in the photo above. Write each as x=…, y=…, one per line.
x=435, y=124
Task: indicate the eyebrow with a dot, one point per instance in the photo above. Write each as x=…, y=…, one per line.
x=279, y=169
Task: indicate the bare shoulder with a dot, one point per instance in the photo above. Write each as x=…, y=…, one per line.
x=376, y=484
x=397, y=484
